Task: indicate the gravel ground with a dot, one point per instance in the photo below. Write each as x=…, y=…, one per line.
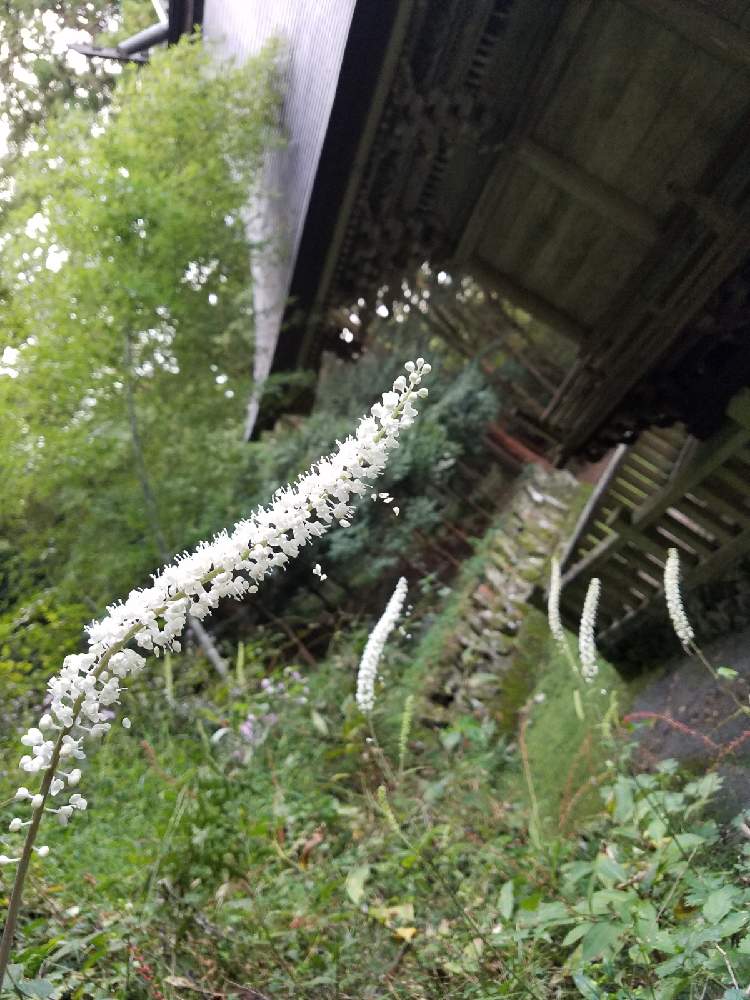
x=705, y=720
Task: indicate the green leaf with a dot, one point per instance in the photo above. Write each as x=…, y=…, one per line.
x=623, y=791
x=727, y=672
x=355, y=883
x=608, y=870
x=729, y=926
x=601, y=939
x=670, y=966
x=40, y=989
x=719, y=903
x=507, y=898
x=547, y=913
x=576, y=933
x=605, y=900
x=586, y=987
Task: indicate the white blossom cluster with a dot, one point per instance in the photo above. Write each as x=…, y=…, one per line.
x=680, y=622
x=553, y=604
x=88, y=686
x=586, y=645
x=368, y=666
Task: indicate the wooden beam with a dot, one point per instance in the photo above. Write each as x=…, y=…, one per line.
x=712, y=455
x=508, y=288
x=608, y=201
x=701, y=25
x=566, y=20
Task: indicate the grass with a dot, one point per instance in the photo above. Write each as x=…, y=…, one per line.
x=222, y=866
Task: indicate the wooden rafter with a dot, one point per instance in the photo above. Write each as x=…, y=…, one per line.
x=528, y=300
x=700, y=24
x=619, y=210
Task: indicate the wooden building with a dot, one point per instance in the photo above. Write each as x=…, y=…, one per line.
x=587, y=159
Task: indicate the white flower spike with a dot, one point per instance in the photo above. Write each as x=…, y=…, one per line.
x=368, y=667
x=83, y=694
x=586, y=645
x=553, y=604
x=679, y=619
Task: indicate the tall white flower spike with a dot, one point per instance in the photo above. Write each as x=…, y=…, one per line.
x=680, y=622
x=368, y=666
x=89, y=684
x=232, y=565
x=586, y=644
x=553, y=604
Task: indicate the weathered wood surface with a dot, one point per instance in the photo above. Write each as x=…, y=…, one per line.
x=699, y=503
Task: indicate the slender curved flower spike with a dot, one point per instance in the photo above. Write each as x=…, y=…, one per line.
x=586, y=644
x=553, y=615
x=553, y=604
x=368, y=667
x=88, y=687
x=680, y=623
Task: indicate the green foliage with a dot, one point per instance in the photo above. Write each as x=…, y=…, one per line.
x=126, y=269
x=450, y=429
x=33, y=640
x=36, y=78
x=261, y=855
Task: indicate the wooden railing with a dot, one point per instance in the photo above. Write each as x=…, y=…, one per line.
x=666, y=490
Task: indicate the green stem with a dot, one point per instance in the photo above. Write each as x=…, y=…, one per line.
x=385, y=766
x=23, y=866
x=16, y=896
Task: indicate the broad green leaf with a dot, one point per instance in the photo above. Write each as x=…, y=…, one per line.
x=576, y=933
x=450, y=739
x=600, y=940
x=608, y=870
x=623, y=792
x=729, y=926
x=671, y=965
x=719, y=903
x=547, y=913
x=40, y=989
x=586, y=987
x=606, y=900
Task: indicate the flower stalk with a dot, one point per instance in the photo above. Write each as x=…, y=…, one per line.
x=232, y=564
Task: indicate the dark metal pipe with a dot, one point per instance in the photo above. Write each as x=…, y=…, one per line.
x=154, y=35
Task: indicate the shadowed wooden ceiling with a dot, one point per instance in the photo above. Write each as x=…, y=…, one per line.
x=590, y=161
